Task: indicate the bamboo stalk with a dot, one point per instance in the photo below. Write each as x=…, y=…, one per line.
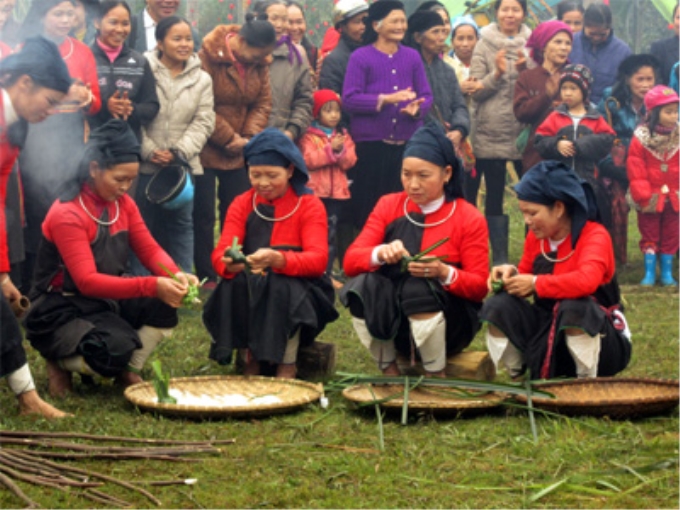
x=29, y=467
x=35, y=480
x=119, y=456
x=110, y=449
x=14, y=488
x=101, y=476
x=106, y=501
x=71, y=435
x=117, y=501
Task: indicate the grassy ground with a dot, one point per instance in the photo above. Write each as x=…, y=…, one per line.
x=331, y=459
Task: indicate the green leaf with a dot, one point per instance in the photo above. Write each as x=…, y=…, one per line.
x=547, y=490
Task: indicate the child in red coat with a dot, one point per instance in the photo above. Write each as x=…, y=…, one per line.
x=329, y=154
x=652, y=168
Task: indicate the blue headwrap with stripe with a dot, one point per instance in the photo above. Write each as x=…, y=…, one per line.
x=550, y=181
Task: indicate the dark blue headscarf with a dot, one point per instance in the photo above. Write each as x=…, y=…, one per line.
x=430, y=143
x=549, y=181
x=272, y=147
x=40, y=59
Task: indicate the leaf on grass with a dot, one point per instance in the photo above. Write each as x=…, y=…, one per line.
x=607, y=484
x=547, y=490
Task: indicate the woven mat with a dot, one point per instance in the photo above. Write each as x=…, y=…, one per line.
x=262, y=395
x=609, y=396
x=435, y=399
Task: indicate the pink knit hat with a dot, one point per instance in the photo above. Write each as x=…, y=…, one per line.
x=660, y=96
x=542, y=35
x=321, y=97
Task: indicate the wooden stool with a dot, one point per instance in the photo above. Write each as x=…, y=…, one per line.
x=464, y=365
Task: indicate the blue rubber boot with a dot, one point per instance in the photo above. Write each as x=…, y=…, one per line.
x=650, y=270
x=667, y=271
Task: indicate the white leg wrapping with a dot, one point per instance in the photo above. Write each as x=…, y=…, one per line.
x=504, y=354
x=383, y=352
x=20, y=381
x=76, y=364
x=429, y=336
x=585, y=350
x=150, y=338
x=290, y=356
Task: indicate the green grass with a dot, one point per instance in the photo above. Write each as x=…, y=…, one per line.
x=330, y=458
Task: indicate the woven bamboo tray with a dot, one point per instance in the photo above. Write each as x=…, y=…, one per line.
x=257, y=396
x=437, y=400
x=608, y=396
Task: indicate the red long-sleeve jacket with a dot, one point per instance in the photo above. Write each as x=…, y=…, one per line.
x=467, y=248
x=82, y=66
x=8, y=155
x=649, y=170
x=306, y=230
x=591, y=265
x=71, y=230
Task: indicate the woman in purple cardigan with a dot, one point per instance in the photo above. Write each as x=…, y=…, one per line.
x=387, y=96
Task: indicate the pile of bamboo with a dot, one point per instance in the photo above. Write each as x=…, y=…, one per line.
x=24, y=457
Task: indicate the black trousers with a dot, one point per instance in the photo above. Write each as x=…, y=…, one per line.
x=12, y=354
x=228, y=184
x=494, y=172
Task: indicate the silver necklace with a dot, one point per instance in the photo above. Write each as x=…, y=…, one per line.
x=70, y=51
x=554, y=260
x=423, y=225
x=267, y=218
x=101, y=222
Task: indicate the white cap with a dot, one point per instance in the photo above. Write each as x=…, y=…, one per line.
x=345, y=9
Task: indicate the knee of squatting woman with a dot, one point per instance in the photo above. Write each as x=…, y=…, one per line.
x=88, y=315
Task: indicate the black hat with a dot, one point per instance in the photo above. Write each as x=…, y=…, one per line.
x=632, y=63
x=376, y=12
x=422, y=21
x=272, y=147
x=40, y=59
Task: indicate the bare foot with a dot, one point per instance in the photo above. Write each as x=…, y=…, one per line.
x=128, y=378
x=252, y=367
x=31, y=403
x=286, y=371
x=60, y=383
x=392, y=370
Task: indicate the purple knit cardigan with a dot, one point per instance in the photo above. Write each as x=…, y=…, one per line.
x=370, y=73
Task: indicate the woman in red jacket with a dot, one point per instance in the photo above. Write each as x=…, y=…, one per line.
x=575, y=326
x=88, y=316
x=33, y=81
x=53, y=148
x=435, y=301
x=279, y=297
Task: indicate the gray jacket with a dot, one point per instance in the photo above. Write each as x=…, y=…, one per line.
x=449, y=104
x=496, y=127
x=186, y=118
x=292, y=94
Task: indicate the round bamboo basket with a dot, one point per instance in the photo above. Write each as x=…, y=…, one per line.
x=264, y=395
x=437, y=400
x=608, y=396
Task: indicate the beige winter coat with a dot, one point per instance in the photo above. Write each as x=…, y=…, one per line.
x=496, y=127
x=186, y=117
x=292, y=93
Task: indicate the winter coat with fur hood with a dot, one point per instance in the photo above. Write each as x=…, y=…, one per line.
x=186, y=118
x=496, y=127
x=242, y=106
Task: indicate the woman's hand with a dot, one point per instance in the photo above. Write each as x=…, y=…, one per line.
x=236, y=144
x=502, y=273
x=471, y=85
x=265, y=258
x=120, y=106
x=413, y=108
x=501, y=64
x=399, y=96
x=10, y=292
x=187, y=279
x=455, y=137
x=79, y=93
x=435, y=269
x=393, y=252
x=566, y=148
x=170, y=291
x=521, y=63
x=231, y=267
x=521, y=285
x=162, y=158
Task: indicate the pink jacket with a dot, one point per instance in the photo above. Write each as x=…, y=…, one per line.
x=327, y=169
x=650, y=170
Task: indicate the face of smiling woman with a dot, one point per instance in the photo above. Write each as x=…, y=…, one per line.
x=269, y=181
